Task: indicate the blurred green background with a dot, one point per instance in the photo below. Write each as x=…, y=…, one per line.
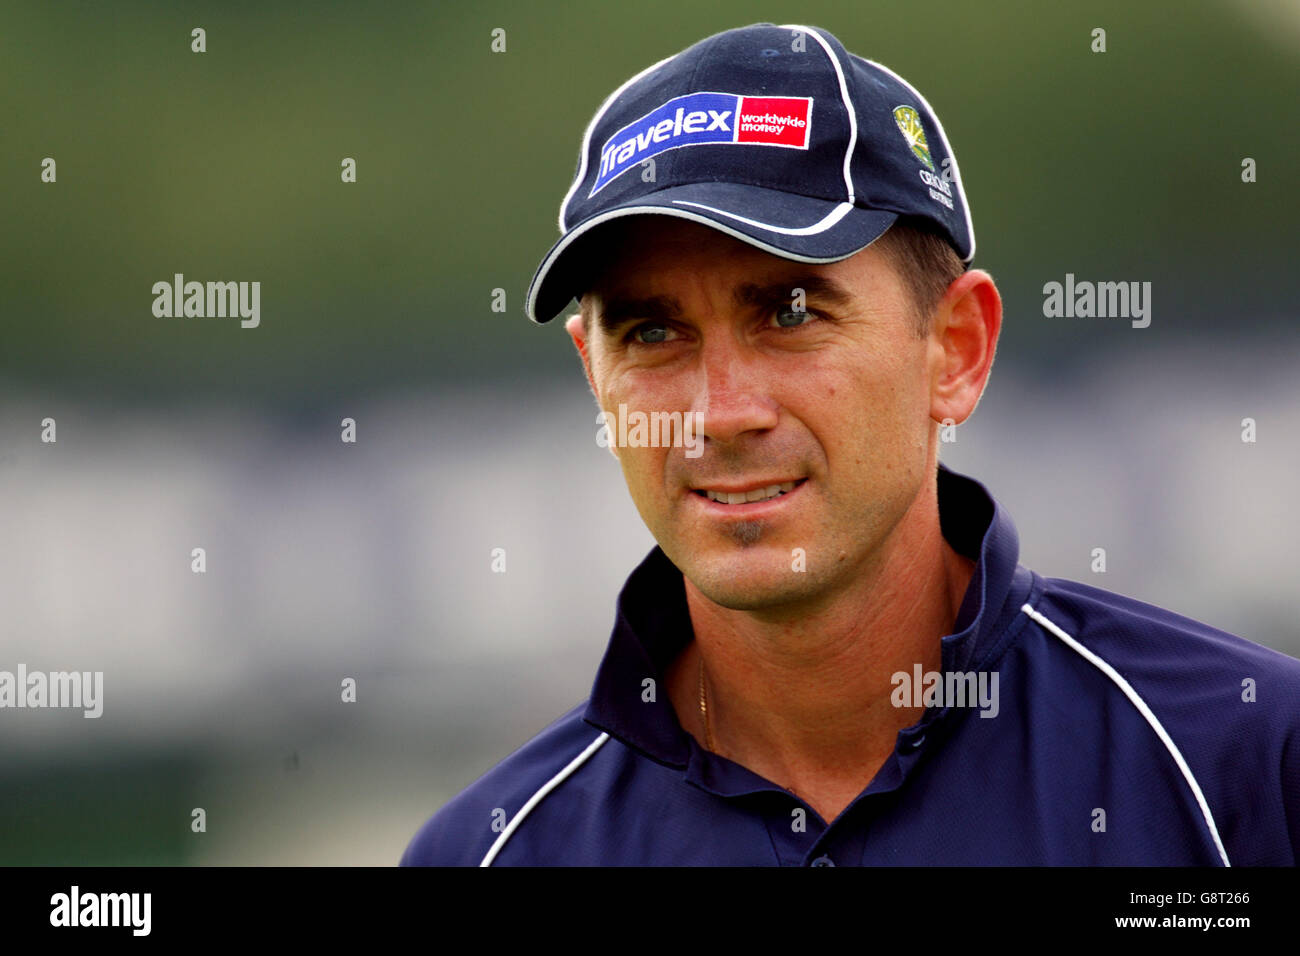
x=376, y=296
x=226, y=165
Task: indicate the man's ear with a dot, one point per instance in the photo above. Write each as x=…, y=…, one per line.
x=573, y=325
x=963, y=341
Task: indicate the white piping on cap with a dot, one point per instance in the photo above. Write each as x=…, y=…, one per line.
x=956, y=173
x=591, y=128
x=840, y=211
x=590, y=224
x=830, y=219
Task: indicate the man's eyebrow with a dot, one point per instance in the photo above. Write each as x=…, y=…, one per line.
x=617, y=310
x=814, y=287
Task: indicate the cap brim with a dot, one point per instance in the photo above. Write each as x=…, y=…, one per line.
x=793, y=227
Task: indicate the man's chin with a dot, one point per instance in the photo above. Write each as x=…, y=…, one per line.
x=761, y=579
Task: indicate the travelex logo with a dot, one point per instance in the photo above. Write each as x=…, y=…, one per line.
x=706, y=118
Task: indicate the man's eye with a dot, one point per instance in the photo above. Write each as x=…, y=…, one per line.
x=651, y=333
x=789, y=318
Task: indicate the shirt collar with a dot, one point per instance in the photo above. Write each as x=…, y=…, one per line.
x=652, y=624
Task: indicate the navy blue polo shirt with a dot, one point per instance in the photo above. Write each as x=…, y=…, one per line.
x=1123, y=735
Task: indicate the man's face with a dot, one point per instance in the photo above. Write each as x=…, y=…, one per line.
x=835, y=399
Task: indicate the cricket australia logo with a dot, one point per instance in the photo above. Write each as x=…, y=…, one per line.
x=909, y=124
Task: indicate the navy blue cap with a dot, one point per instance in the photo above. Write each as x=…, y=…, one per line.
x=775, y=135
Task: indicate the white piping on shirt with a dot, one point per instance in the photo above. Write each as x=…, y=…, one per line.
x=539, y=796
x=1145, y=711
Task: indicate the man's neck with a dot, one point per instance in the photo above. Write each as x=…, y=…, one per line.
x=806, y=702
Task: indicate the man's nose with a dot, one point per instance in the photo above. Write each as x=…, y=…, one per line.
x=732, y=392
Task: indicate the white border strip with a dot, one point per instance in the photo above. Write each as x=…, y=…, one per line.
x=1145, y=711
x=540, y=795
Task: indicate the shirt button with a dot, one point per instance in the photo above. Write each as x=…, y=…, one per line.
x=823, y=861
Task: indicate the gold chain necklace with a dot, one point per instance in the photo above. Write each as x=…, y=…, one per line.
x=704, y=709
x=704, y=712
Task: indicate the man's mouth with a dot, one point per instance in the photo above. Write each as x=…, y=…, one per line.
x=748, y=495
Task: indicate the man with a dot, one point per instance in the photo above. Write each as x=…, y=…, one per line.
x=833, y=657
